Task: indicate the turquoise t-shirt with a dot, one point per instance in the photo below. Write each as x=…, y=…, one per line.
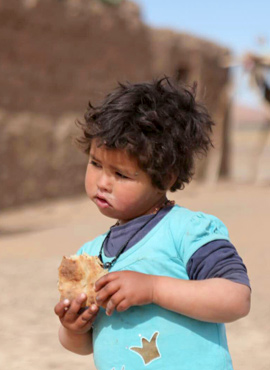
x=150, y=336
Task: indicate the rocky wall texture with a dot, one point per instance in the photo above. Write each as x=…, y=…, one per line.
x=38, y=162
x=58, y=55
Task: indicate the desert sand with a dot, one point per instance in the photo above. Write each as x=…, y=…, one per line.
x=34, y=239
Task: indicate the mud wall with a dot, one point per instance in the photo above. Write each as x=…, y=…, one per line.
x=58, y=55
x=187, y=58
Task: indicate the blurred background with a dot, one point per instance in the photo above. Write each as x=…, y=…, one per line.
x=56, y=55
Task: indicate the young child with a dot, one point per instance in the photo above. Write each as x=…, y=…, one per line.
x=174, y=276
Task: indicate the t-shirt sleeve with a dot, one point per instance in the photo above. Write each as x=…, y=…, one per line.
x=200, y=230
x=218, y=258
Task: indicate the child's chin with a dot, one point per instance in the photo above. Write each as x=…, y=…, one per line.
x=108, y=213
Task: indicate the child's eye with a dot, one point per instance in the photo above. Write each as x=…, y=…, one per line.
x=119, y=174
x=95, y=164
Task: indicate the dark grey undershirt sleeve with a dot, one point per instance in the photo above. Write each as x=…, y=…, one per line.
x=218, y=258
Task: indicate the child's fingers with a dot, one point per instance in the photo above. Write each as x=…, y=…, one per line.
x=106, y=292
x=113, y=303
x=123, y=305
x=89, y=314
x=72, y=312
x=104, y=280
x=61, y=307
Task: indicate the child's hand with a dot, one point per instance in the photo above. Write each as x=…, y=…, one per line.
x=124, y=289
x=72, y=319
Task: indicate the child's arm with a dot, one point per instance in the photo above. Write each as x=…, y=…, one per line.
x=80, y=344
x=75, y=333
x=213, y=300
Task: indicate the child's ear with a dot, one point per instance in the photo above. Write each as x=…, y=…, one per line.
x=169, y=183
x=171, y=180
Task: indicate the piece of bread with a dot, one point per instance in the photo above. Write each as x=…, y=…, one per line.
x=78, y=274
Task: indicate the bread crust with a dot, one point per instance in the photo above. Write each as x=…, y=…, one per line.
x=78, y=274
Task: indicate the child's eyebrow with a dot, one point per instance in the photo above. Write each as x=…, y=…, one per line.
x=124, y=170
x=93, y=157
x=117, y=169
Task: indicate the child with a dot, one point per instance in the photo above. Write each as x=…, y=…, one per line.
x=174, y=278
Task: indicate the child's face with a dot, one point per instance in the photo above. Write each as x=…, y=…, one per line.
x=118, y=187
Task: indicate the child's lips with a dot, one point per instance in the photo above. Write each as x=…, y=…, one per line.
x=102, y=202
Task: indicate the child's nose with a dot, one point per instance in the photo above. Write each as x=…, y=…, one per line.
x=104, y=182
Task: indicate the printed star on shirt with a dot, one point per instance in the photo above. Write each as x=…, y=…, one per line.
x=148, y=351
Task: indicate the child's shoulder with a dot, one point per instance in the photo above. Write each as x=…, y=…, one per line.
x=196, y=221
x=191, y=230
x=179, y=212
x=183, y=213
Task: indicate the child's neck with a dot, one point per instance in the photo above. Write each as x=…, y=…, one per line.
x=153, y=210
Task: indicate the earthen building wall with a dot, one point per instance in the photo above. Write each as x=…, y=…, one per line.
x=55, y=57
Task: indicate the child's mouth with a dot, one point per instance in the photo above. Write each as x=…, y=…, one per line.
x=102, y=203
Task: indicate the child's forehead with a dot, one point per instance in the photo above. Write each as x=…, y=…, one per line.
x=114, y=157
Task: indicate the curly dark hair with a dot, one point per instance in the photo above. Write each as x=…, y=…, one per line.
x=159, y=123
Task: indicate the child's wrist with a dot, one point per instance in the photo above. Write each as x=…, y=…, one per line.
x=154, y=298
x=74, y=333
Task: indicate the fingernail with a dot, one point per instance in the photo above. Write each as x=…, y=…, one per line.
x=93, y=307
x=83, y=295
x=66, y=302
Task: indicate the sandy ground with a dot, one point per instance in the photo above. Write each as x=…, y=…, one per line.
x=33, y=240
